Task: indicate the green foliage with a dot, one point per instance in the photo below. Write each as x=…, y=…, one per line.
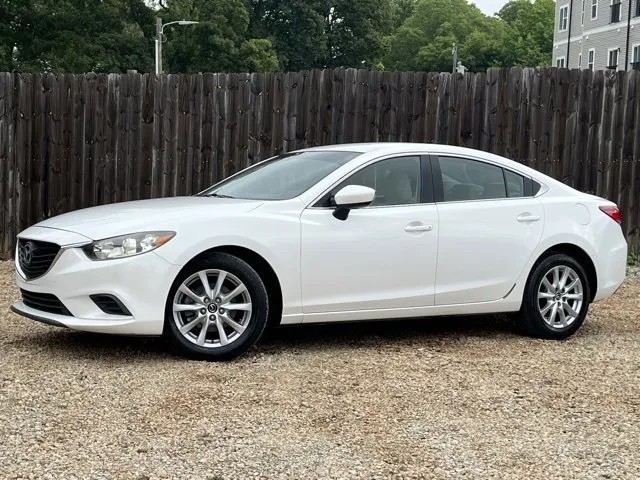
x=355, y=32
x=258, y=55
x=322, y=33
x=78, y=36
x=529, y=28
x=425, y=39
x=400, y=11
x=75, y=36
x=522, y=34
x=296, y=28
x=213, y=45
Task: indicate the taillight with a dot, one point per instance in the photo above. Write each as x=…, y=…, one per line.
x=613, y=212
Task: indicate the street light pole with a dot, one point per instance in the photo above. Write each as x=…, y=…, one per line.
x=158, y=45
x=159, y=33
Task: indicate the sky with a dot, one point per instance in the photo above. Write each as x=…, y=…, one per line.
x=489, y=7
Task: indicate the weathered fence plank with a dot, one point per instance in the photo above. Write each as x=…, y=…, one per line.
x=73, y=141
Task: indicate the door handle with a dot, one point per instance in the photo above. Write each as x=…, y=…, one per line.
x=527, y=217
x=418, y=228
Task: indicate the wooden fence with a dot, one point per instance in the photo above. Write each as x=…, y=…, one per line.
x=73, y=141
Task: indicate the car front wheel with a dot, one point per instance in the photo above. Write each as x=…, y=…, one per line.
x=217, y=308
x=556, y=298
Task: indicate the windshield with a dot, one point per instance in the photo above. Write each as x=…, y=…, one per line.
x=283, y=177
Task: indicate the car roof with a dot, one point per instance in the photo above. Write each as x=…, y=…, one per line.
x=385, y=147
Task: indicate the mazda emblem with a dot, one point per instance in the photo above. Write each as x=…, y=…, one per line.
x=25, y=253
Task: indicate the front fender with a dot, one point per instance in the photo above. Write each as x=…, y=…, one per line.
x=272, y=232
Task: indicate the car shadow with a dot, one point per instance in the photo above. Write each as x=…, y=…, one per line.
x=349, y=334
x=313, y=337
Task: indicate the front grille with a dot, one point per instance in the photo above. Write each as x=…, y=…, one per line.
x=36, y=257
x=45, y=302
x=110, y=304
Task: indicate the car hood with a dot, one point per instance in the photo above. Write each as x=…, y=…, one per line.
x=147, y=215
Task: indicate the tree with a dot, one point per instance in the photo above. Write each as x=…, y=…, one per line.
x=424, y=41
x=323, y=33
x=258, y=55
x=529, y=32
x=400, y=11
x=355, y=32
x=220, y=42
x=75, y=36
x=295, y=27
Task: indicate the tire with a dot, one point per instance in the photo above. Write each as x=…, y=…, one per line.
x=242, y=321
x=539, y=298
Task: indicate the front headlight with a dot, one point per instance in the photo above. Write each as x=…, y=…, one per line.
x=127, y=245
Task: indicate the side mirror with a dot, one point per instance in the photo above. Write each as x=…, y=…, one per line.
x=352, y=196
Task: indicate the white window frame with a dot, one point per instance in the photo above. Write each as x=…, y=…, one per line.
x=580, y=60
x=635, y=48
x=563, y=24
x=561, y=60
x=617, y=50
x=594, y=3
x=591, y=59
x=612, y=2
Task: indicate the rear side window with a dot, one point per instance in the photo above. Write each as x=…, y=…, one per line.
x=515, y=184
x=535, y=187
x=465, y=179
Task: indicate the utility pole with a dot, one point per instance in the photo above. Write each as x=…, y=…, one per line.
x=454, y=51
x=158, y=45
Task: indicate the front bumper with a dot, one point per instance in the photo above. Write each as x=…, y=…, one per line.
x=141, y=283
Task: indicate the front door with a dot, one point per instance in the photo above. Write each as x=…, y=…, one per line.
x=382, y=256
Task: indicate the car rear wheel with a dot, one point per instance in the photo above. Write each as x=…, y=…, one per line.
x=556, y=298
x=217, y=308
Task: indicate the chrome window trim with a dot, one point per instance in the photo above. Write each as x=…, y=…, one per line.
x=544, y=188
x=55, y=259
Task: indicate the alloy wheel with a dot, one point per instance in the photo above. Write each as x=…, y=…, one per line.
x=560, y=297
x=212, y=308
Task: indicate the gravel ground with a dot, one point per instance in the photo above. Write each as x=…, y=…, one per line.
x=436, y=398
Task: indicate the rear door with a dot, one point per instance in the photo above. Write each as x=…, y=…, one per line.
x=489, y=225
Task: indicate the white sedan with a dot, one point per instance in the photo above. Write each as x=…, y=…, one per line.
x=328, y=234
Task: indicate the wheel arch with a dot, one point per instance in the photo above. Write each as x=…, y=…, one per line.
x=264, y=269
x=580, y=256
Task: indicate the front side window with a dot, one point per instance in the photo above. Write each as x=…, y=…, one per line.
x=283, y=177
x=395, y=180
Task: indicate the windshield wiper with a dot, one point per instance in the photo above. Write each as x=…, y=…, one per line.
x=219, y=195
